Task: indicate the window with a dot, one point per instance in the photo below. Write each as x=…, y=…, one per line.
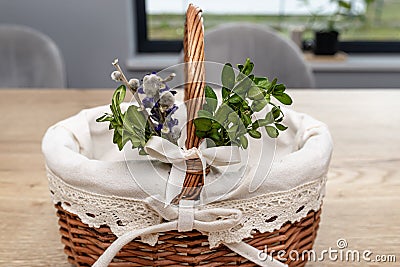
x=160, y=23
x=151, y=42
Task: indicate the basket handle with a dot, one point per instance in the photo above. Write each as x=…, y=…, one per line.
x=193, y=47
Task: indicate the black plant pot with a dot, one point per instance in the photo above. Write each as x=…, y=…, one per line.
x=326, y=42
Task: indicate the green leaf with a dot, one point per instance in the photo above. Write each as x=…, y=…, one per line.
x=235, y=99
x=105, y=117
x=255, y=134
x=245, y=70
x=202, y=124
x=281, y=127
x=272, y=131
x=117, y=139
x=258, y=105
x=133, y=137
x=232, y=131
x=260, y=123
x=136, y=142
x=211, y=98
x=119, y=95
x=209, y=92
x=216, y=125
x=225, y=92
x=255, y=125
x=244, y=141
x=242, y=129
x=228, y=76
x=262, y=82
x=114, y=124
x=267, y=97
x=120, y=130
x=204, y=114
x=279, y=88
x=271, y=86
x=243, y=86
x=235, y=143
x=246, y=119
x=126, y=136
x=284, y=99
x=247, y=67
x=244, y=108
x=215, y=137
x=200, y=134
x=255, y=93
x=222, y=113
x=117, y=99
x=276, y=112
x=124, y=140
x=233, y=117
x=134, y=118
x=269, y=117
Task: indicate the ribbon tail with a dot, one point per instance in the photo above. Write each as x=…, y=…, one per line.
x=203, y=194
x=175, y=182
x=253, y=254
x=105, y=259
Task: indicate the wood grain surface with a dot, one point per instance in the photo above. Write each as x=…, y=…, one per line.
x=362, y=204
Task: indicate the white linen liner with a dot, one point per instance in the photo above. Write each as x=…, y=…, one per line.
x=88, y=175
x=81, y=152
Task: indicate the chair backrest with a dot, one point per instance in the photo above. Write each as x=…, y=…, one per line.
x=273, y=55
x=29, y=58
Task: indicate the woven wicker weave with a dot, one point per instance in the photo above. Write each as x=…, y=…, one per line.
x=83, y=244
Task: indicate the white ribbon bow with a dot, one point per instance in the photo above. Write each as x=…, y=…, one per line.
x=187, y=218
x=167, y=152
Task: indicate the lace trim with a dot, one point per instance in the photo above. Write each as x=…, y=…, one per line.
x=120, y=214
x=264, y=213
x=268, y=212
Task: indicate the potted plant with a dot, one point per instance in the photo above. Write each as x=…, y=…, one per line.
x=327, y=32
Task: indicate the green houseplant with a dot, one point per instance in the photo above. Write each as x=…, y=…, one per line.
x=327, y=28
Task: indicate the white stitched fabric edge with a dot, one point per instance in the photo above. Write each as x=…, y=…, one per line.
x=264, y=213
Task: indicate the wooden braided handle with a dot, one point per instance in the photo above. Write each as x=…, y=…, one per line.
x=193, y=47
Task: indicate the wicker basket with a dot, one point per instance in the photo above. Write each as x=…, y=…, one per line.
x=84, y=244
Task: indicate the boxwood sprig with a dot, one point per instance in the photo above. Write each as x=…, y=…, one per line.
x=242, y=95
x=130, y=125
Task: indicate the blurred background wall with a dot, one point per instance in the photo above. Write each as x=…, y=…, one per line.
x=89, y=33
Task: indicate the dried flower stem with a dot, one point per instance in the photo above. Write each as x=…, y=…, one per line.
x=135, y=95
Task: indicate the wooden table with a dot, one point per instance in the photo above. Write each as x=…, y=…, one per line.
x=362, y=203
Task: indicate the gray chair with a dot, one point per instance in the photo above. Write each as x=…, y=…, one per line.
x=29, y=58
x=273, y=55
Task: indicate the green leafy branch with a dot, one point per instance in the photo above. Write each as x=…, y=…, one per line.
x=242, y=96
x=128, y=126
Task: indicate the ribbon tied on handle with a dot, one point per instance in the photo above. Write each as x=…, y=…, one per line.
x=186, y=216
x=167, y=152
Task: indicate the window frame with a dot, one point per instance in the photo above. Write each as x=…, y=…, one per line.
x=365, y=46
x=144, y=45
